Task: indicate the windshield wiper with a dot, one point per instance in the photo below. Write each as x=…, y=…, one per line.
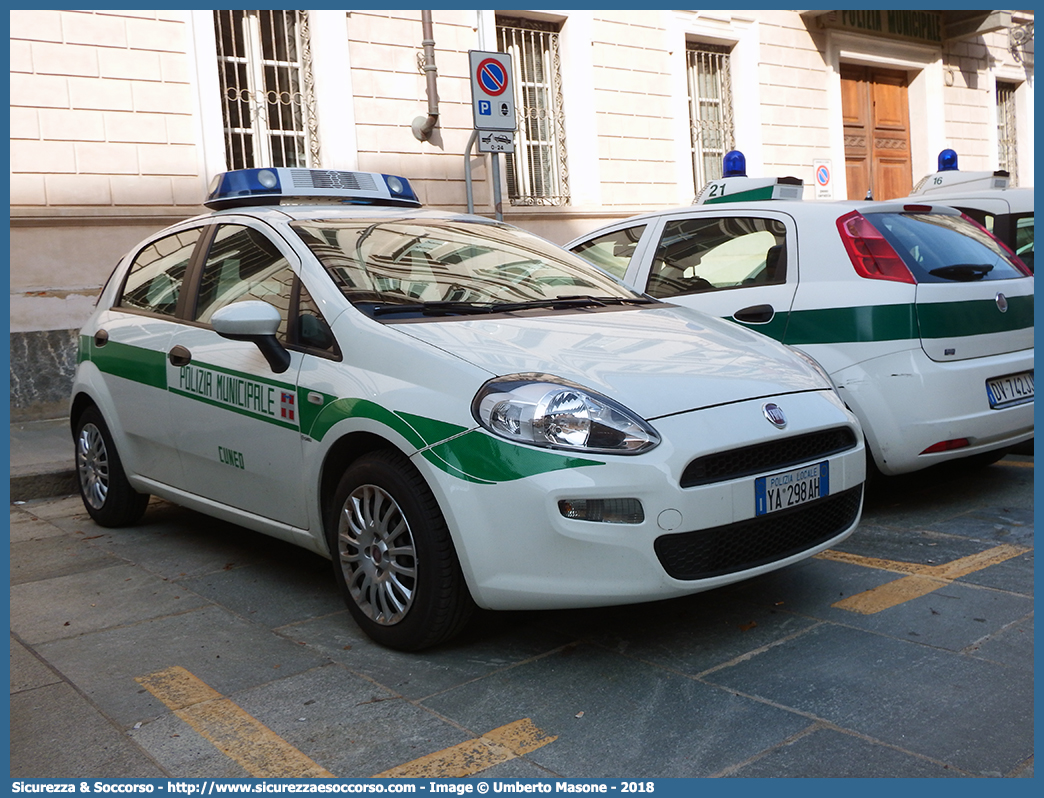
x=963, y=272
x=431, y=308
x=572, y=301
x=448, y=308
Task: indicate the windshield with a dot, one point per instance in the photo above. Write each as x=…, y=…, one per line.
x=449, y=267
x=943, y=248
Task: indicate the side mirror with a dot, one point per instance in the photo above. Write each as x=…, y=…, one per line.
x=256, y=321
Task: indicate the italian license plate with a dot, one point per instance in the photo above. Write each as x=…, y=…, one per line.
x=1014, y=389
x=791, y=488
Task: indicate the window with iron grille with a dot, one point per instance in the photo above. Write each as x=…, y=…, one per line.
x=1007, y=153
x=711, y=126
x=264, y=66
x=536, y=171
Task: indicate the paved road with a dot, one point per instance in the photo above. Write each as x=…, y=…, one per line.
x=190, y=648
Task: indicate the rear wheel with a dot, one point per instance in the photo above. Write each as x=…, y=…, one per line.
x=108, y=496
x=393, y=557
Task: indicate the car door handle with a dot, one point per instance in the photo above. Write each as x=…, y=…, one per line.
x=757, y=314
x=179, y=356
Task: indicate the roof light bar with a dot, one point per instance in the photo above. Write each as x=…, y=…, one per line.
x=281, y=185
x=735, y=186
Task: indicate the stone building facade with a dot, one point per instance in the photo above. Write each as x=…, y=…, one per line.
x=120, y=119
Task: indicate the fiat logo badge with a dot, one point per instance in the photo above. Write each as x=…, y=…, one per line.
x=774, y=414
x=1002, y=303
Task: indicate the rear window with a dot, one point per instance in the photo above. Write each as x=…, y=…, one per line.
x=938, y=248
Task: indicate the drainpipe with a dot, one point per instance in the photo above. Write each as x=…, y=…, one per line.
x=423, y=128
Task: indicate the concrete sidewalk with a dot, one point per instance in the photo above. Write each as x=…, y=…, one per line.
x=42, y=461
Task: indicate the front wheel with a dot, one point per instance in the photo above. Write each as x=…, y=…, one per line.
x=108, y=496
x=393, y=557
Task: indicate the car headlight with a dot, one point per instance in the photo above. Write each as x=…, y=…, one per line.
x=546, y=411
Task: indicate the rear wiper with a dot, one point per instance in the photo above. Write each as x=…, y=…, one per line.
x=572, y=301
x=964, y=272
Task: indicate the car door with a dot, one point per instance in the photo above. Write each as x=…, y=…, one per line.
x=236, y=421
x=129, y=346
x=737, y=264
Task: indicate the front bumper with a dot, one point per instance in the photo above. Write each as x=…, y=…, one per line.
x=518, y=551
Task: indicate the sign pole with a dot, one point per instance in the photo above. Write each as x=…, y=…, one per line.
x=498, y=207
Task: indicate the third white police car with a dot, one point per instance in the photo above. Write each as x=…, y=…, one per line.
x=454, y=411
x=923, y=320
x=988, y=198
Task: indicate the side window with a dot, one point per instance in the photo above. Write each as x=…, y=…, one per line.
x=1024, y=239
x=154, y=280
x=244, y=264
x=987, y=220
x=311, y=330
x=612, y=251
x=706, y=254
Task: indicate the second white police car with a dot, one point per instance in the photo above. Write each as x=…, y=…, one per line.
x=922, y=318
x=454, y=411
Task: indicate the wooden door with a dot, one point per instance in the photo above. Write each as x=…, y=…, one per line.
x=876, y=114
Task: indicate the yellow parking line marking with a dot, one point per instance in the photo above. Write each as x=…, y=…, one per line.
x=870, y=562
x=921, y=579
x=471, y=756
x=233, y=731
x=890, y=595
x=1015, y=463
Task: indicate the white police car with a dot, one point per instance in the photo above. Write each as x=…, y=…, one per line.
x=987, y=198
x=456, y=412
x=922, y=319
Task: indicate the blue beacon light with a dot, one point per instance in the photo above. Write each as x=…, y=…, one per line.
x=948, y=161
x=734, y=164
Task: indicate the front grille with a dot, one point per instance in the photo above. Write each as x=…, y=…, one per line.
x=762, y=457
x=748, y=544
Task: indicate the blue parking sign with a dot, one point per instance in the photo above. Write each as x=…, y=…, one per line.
x=484, y=108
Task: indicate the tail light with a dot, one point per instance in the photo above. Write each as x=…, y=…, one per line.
x=1015, y=259
x=871, y=254
x=947, y=446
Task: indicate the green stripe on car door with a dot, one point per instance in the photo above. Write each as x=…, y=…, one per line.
x=898, y=322
x=136, y=363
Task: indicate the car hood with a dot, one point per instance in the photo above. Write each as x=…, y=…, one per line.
x=657, y=361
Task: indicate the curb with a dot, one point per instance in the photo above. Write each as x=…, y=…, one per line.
x=43, y=485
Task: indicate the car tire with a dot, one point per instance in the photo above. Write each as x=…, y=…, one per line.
x=393, y=557
x=107, y=495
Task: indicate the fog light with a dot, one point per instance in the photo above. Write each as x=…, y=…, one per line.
x=946, y=446
x=606, y=511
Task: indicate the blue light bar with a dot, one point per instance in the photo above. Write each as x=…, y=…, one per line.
x=947, y=161
x=277, y=185
x=734, y=164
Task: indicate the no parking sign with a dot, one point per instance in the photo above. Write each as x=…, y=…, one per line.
x=492, y=95
x=824, y=187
